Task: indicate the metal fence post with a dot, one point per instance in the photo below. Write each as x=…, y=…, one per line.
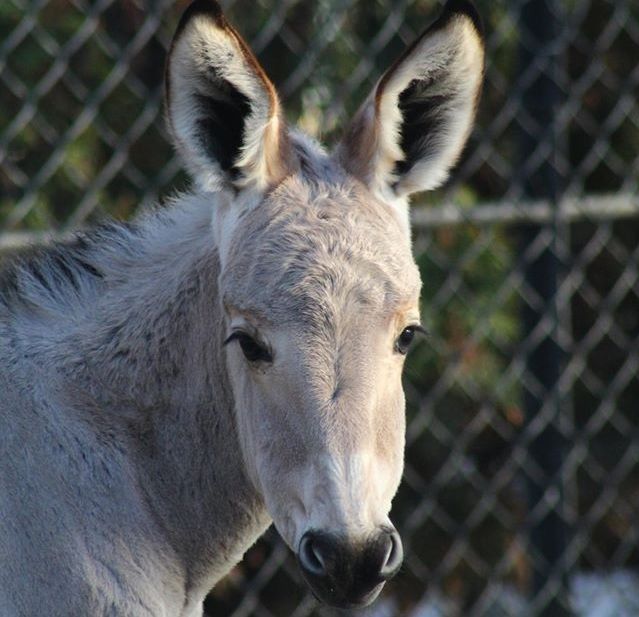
x=541, y=179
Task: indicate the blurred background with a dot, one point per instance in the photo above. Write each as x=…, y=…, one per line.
x=521, y=490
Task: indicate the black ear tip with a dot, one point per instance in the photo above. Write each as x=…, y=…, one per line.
x=464, y=7
x=208, y=8
x=212, y=7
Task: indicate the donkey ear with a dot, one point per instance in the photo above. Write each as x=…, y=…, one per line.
x=223, y=112
x=413, y=127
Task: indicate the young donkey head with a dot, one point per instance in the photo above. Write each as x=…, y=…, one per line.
x=318, y=285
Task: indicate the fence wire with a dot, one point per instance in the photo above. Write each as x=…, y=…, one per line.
x=521, y=490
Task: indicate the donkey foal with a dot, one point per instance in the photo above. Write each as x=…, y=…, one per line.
x=171, y=387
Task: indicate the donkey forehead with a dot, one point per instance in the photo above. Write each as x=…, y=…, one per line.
x=313, y=245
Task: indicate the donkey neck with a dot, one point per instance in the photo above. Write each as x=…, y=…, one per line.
x=146, y=351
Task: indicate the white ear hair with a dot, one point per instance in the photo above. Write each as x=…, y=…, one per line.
x=414, y=125
x=223, y=111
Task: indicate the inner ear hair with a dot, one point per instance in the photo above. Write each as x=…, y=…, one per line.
x=413, y=127
x=223, y=111
x=438, y=104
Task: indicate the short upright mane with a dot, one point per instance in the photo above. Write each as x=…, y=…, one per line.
x=39, y=276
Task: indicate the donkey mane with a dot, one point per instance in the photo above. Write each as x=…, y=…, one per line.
x=66, y=274
x=73, y=270
x=36, y=276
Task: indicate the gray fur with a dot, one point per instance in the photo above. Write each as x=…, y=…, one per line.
x=121, y=489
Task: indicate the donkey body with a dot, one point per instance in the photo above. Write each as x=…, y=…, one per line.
x=170, y=387
x=123, y=486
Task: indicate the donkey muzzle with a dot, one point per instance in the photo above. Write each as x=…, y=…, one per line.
x=345, y=574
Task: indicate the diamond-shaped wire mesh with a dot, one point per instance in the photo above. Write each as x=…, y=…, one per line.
x=522, y=467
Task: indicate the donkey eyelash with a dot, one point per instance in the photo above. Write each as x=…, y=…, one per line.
x=236, y=335
x=252, y=348
x=407, y=336
x=420, y=329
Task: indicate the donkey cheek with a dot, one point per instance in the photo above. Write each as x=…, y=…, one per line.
x=390, y=434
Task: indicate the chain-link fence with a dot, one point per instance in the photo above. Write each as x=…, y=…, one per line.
x=521, y=491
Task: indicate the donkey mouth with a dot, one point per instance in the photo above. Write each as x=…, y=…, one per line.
x=327, y=597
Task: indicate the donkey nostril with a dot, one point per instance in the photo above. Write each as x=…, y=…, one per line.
x=310, y=556
x=393, y=557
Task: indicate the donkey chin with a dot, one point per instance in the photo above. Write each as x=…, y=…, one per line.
x=345, y=574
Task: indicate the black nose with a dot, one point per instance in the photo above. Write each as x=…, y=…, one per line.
x=346, y=574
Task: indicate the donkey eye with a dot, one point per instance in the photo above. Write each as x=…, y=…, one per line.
x=252, y=350
x=406, y=338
